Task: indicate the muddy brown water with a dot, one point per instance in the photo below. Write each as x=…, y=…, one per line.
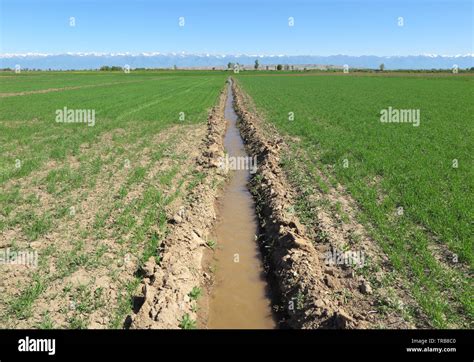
x=240, y=296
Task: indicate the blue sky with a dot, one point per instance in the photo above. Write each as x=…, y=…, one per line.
x=355, y=27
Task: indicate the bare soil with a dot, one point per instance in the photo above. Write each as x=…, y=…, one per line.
x=166, y=288
x=72, y=272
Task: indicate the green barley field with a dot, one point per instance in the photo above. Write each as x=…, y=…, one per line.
x=90, y=196
x=423, y=175
x=139, y=103
x=92, y=200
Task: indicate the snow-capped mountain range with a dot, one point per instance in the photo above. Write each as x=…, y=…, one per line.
x=183, y=60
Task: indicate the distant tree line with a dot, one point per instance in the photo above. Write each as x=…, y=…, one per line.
x=107, y=68
x=230, y=66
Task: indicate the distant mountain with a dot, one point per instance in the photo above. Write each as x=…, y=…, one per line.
x=181, y=60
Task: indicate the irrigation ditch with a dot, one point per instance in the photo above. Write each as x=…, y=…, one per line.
x=239, y=296
x=237, y=240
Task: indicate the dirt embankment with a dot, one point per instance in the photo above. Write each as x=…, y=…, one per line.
x=309, y=292
x=166, y=300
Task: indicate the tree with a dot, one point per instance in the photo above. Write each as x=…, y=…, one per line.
x=279, y=67
x=256, y=64
x=382, y=67
x=230, y=65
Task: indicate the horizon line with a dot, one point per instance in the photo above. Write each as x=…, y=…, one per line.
x=206, y=54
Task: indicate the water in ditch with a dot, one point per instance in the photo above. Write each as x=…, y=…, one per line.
x=239, y=296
